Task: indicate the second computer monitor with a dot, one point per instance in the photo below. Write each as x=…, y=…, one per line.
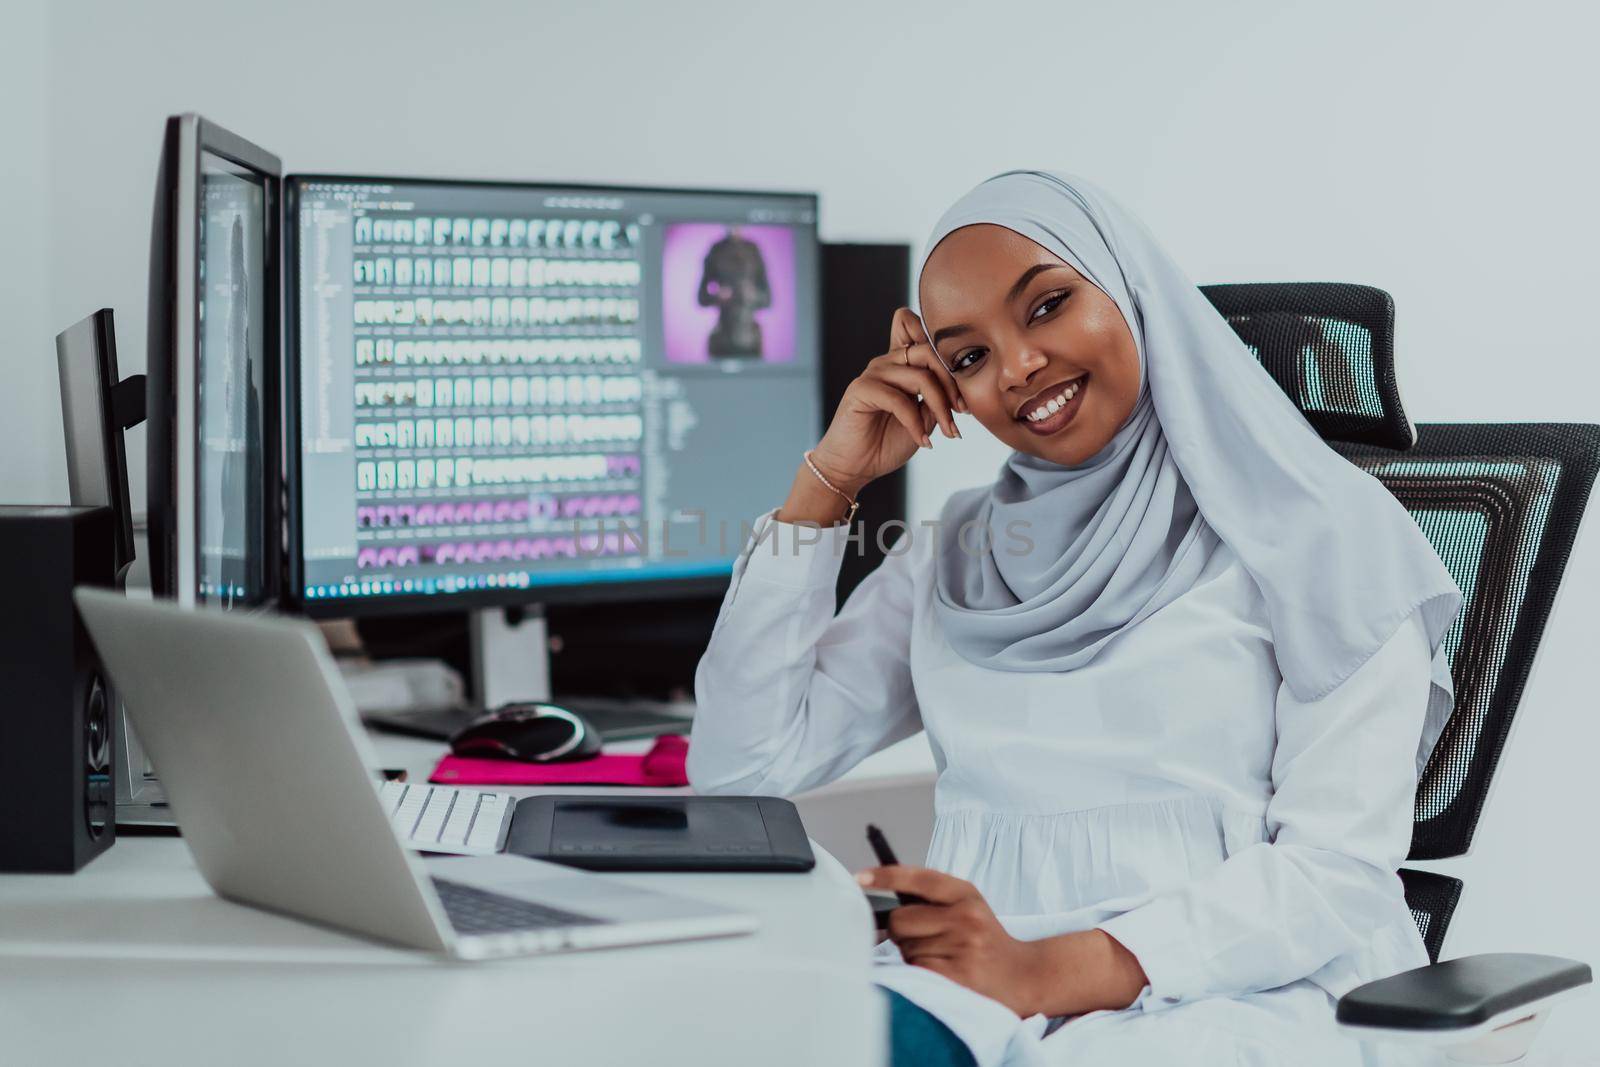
x=214, y=362
x=520, y=392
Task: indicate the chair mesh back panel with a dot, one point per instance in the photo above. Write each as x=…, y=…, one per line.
x=1432, y=899
x=1501, y=503
x=1330, y=346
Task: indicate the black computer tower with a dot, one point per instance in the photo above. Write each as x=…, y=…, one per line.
x=56, y=702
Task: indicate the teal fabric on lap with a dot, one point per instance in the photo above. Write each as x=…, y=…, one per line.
x=917, y=1039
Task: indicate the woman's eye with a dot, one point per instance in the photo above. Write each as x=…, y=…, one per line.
x=967, y=360
x=1049, y=305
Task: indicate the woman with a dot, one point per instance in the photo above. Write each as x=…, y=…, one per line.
x=1179, y=665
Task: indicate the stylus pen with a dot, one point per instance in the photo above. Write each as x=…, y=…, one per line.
x=886, y=858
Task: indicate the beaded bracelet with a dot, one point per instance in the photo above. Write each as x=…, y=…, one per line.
x=849, y=515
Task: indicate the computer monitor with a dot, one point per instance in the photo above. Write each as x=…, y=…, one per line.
x=513, y=393
x=214, y=363
x=96, y=407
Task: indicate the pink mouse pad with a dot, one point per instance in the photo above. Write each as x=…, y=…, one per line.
x=663, y=765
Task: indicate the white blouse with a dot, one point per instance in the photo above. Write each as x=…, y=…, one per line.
x=1240, y=842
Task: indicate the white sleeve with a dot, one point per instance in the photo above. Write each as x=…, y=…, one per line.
x=787, y=695
x=1339, y=824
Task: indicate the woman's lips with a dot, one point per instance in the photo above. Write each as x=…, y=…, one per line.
x=1055, y=423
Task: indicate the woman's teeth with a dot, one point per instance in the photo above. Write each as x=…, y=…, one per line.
x=1054, y=404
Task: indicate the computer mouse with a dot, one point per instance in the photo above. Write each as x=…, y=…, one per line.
x=534, y=733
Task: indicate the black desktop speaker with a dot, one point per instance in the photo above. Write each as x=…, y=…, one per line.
x=56, y=703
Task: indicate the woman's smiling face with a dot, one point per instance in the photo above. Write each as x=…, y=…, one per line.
x=1043, y=358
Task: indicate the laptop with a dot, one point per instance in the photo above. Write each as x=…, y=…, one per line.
x=249, y=726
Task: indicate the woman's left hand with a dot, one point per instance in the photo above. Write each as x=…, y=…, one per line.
x=956, y=934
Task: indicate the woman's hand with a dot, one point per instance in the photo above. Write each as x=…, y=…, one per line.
x=880, y=422
x=957, y=935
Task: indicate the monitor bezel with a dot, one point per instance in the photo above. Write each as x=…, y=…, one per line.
x=614, y=590
x=173, y=363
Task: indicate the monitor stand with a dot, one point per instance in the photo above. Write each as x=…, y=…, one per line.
x=511, y=665
x=510, y=655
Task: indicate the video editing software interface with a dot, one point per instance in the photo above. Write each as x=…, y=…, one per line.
x=517, y=386
x=232, y=283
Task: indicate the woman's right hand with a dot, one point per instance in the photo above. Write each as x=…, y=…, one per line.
x=880, y=423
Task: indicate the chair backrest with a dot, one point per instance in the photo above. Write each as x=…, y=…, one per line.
x=1330, y=346
x=1500, y=503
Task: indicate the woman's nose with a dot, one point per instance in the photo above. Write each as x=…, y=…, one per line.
x=1022, y=363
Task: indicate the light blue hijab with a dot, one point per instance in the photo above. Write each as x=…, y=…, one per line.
x=1213, y=450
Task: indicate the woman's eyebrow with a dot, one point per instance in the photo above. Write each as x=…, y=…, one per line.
x=1015, y=291
x=1028, y=276
x=949, y=331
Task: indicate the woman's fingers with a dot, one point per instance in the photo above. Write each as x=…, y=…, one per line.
x=919, y=380
x=918, y=921
x=924, y=355
x=911, y=339
x=935, y=887
x=920, y=930
x=915, y=949
x=905, y=329
x=902, y=408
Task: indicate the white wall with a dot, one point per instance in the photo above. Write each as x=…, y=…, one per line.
x=35, y=467
x=1445, y=152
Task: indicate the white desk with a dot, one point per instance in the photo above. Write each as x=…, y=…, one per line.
x=134, y=959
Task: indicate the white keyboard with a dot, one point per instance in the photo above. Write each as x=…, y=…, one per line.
x=448, y=820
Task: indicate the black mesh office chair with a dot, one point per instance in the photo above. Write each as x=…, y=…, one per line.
x=1501, y=503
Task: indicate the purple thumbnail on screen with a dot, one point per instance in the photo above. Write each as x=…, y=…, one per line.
x=700, y=258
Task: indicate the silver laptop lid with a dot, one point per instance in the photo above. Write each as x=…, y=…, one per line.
x=250, y=728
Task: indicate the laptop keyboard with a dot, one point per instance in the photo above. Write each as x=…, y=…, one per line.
x=477, y=911
x=456, y=818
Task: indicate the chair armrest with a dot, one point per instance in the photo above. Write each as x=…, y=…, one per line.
x=1460, y=995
